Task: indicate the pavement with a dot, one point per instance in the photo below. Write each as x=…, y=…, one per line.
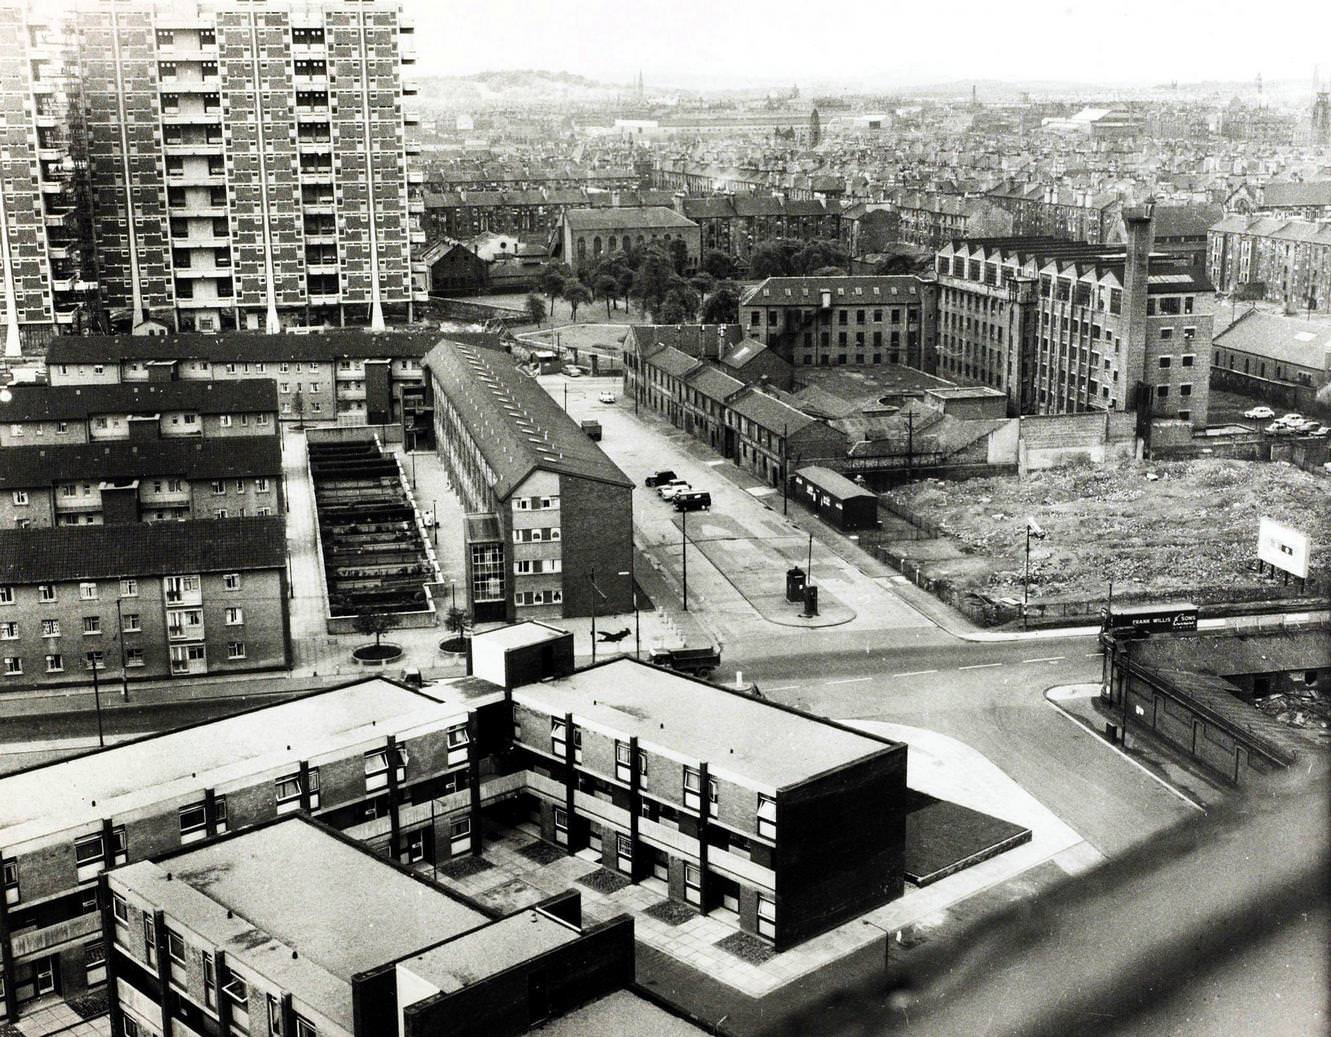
x=51, y=1016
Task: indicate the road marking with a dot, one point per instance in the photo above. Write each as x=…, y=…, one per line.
x=784, y=687
x=1141, y=767
x=1094, y=655
x=914, y=673
x=759, y=491
x=980, y=666
x=852, y=680
x=1046, y=659
x=713, y=464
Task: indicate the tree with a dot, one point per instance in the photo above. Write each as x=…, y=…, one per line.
x=679, y=254
x=815, y=255
x=680, y=305
x=606, y=287
x=830, y=271
x=719, y=264
x=298, y=408
x=576, y=294
x=722, y=306
x=624, y=279
x=368, y=621
x=654, y=277
x=456, y=620
x=553, y=278
x=536, y=309
x=769, y=259
x=702, y=282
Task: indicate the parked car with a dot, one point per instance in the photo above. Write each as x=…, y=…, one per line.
x=1308, y=425
x=669, y=490
x=693, y=500
x=1291, y=418
x=606, y=396
x=665, y=475
x=1321, y=430
x=1277, y=429
x=1259, y=413
x=572, y=371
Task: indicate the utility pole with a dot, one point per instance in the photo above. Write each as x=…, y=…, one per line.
x=97, y=700
x=591, y=576
x=910, y=444
x=684, y=553
x=785, y=475
x=1026, y=580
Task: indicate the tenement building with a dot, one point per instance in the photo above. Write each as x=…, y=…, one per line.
x=363, y=751
x=43, y=233
x=858, y=321
x=161, y=480
x=41, y=414
x=1279, y=259
x=1065, y=327
x=207, y=596
x=249, y=164
x=342, y=375
x=549, y=523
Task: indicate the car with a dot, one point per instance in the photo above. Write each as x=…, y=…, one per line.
x=693, y=500
x=1308, y=425
x=606, y=396
x=669, y=490
x=1292, y=418
x=1321, y=430
x=1277, y=429
x=1260, y=413
x=572, y=371
x=665, y=475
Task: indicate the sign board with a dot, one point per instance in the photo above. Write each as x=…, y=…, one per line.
x=1283, y=547
x=1165, y=619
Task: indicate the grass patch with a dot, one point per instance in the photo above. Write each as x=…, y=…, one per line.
x=464, y=867
x=671, y=912
x=541, y=853
x=603, y=881
x=747, y=948
x=943, y=837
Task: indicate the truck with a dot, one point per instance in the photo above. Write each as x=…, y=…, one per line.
x=593, y=430
x=697, y=661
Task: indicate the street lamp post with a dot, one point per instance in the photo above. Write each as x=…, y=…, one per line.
x=97, y=699
x=124, y=669
x=434, y=522
x=633, y=589
x=684, y=553
x=1032, y=529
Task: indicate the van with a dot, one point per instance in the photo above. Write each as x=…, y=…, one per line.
x=693, y=500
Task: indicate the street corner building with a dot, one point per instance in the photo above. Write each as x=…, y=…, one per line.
x=549, y=517
x=116, y=602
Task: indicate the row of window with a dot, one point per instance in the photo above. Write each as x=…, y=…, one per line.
x=95, y=660
x=535, y=503
x=130, y=623
x=536, y=535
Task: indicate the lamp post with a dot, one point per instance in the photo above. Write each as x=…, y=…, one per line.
x=97, y=699
x=684, y=553
x=434, y=522
x=124, y=669
x=591, y=576
x=1032, y=530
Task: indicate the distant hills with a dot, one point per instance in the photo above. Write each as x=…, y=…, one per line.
x=500, y=87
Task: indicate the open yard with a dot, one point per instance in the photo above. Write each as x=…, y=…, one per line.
x=1193, y=525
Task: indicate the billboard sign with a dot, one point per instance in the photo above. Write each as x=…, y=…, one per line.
x=1282, y=547
x=1164, y=619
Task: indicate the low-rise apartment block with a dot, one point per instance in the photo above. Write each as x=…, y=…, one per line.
x=291, y=929
x=117, y=481
x=40, y=414
x=824, y=321
x=194, y=597
x=368, y=750
x=1288, y=260
x=1066, y=327
x=549, y=525
x=336, y=375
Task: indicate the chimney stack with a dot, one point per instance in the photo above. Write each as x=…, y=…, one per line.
x=1139, y=223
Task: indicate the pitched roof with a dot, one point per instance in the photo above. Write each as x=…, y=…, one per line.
x=189, y=457
x=79, y=402
x=241, y=346
x=514, y=422
x=769, y=413
x=634, y=217
x=714, y=384
x=1278, y=337
x=833, y=482
x=109, y=552
x=694, y=339
x=899, y=289
x=1290, y=195
x=1174, y=221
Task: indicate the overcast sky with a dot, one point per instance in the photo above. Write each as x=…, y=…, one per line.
x=877, y=42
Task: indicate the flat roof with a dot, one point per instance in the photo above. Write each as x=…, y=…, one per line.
x=300, y=897
x=614, y=1015
x=473, y=956
x=135, y=775
x=734, y=734
x=520, y=635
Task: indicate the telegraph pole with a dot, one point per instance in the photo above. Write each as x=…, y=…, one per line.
x=97, y=700
x=785, y=474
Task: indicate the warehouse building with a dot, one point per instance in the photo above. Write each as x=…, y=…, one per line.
x=833, y=497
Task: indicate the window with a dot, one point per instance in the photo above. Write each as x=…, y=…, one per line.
x=305, y=1028
x=119, y=909
x=55, y=663
x=1189, y=359
x=129, y=588
x=131, y=1027
x=260, y=485
x=238, y=990
x=692, y=788
x=9, y=631
x=1161, y=391
x=235, y=616
x=224, y=420
x=561, y=825
x=231, y=581
x=13, y=666
x=288, y=791
x=88, y=850
x=209, y=981
x=7, y=594
x=175, y=946
x=219, y=486
x=766, y=916
x=20, y=498
x=149, y=940
x=193, y=822
x=235, y=649
x=1165, y=362
x=45, y=593
x=1166, y=334
x=92, y=624
x=766, y=817
x=87, y=591
x=692, y=884
x=130, y=622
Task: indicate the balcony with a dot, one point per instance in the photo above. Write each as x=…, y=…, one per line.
x=314, y=147
x=330, y=267
x=193, y=52
x=204, y=118
x=38, y=940
x=324, y=207
x=420, y=295
x=194, y=147
x=77, y=505
x=409, y=88
x=415, y=176
x=43, y=120
x=201, y=209
x=190, y=179
x=316, y=176
x=413, y=147
x=65, y=317
x=62, y=283
x=325, y=298
x=416, y=237
x=218, y=303
x=59, y=251
x=321, y=238
x=203, y=271
x=203, y=85
x=199, y=239
x=311, y=81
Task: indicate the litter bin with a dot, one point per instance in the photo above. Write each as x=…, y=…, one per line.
x=810, y=600
x=795, y=584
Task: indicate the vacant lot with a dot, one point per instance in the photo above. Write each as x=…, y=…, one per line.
x=1193, y=525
